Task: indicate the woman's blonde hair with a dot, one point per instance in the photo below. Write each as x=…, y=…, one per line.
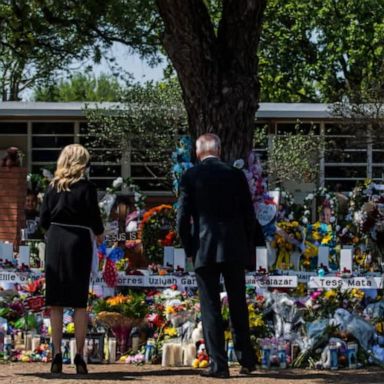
x=71, y=165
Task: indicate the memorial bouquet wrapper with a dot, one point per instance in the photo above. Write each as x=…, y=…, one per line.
x=121, y=313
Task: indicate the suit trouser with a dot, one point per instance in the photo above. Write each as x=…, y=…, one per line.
x=208, y=282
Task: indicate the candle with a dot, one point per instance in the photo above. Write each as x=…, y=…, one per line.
x=167, y=350
x=189, y=354
x=135, y=343
x=18, y=339
x=28, y=341
x=112, y=349
x=35, y=343
x=178, y=355
x=72, y=350
x=41, y=248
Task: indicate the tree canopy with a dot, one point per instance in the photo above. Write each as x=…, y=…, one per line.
x=320, y=50
x=81, y=87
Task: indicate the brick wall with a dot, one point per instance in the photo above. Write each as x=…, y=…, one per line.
x=12, y=199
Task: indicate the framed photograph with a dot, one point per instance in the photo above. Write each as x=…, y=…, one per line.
x=94, y=348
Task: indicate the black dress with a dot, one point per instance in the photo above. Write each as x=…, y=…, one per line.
x=69, y=249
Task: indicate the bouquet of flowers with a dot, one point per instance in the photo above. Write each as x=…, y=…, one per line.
x=289, y=236
x=120, y=314
x=367, y=207
x=157, y=230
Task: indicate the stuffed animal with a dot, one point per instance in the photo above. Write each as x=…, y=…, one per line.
x=12, y=158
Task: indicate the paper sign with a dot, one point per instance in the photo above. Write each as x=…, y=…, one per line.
x=168, y=256
x=265, y=213
x=346, y=283
x=346, y=260
x=261, y=259
x=272, y=281
x=179, y=259
x=6, y=251
x=275, y=196
x=323, y=256
x=23, y=255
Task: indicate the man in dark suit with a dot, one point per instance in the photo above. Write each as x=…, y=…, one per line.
x=216, y=223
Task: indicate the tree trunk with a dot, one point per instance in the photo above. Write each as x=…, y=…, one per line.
x=217, y=69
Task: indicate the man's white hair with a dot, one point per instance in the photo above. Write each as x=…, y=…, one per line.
x=209, y=143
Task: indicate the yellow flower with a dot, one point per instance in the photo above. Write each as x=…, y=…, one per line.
x=118, y=299
x=327, y=239
x=170, y=331
x=310, y=250
x=357, y=293
x=316, y=225
x=316, y=235
x=70, y=328
x=169, y=310
x=330, y=294
x=227, y=335
x=255, y=320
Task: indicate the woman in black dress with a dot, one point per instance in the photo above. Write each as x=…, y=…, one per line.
x=70, y=214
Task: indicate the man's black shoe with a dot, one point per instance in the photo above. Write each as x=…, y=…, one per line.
x=247, y=370
x=217, y=375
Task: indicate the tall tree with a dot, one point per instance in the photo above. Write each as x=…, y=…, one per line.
x=216, y=67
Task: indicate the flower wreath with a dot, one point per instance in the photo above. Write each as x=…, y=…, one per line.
x=326, y=198
x=157, y=229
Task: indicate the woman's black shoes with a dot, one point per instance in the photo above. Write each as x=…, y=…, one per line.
x=81, y=367
x=57, y=363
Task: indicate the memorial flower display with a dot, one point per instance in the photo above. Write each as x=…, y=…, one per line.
x=156, y=230
x=289, y=237
x=300, y=326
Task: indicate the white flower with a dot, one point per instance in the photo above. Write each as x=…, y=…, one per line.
x=47, y=174
x=29, y=176
x=332, y=219
x=290, y=216
x=170, y=293
x=239, y=163
x=137, y=196
x=358, y=217
x=304, y=220
x=310, y=196
x=132, y=226
x=306, y=213
x=117, y=183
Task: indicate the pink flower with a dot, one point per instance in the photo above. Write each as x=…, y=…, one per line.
x=315, y=295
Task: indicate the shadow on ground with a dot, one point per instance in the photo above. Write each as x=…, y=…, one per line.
x=371, y=376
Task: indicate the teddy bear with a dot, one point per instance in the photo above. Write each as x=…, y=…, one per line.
x=12, y=158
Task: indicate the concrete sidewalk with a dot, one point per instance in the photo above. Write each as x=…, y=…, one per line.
x=33, y=373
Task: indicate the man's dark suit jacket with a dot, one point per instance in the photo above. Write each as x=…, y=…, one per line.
x=215, y=217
